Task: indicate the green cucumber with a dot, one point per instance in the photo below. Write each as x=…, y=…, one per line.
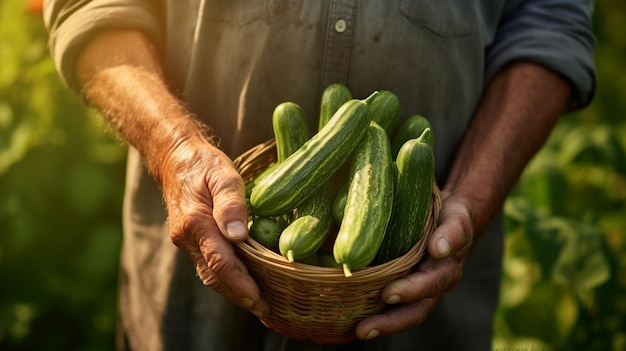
x=339, y=204
x=252, y=183
x=302, y=173
x=414, y=187
x=385, y=110
x=412, y=128
x=369, y=203
x=291, y=129
x=266, y=231
x=308, y=231
x=333, y=97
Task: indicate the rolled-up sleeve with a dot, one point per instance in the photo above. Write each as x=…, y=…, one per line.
x=554, y=33
x=70, y=23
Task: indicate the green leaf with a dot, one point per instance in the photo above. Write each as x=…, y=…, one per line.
x=582, y=263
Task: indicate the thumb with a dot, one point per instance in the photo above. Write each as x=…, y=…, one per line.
x=229, y=206
x=454, y=233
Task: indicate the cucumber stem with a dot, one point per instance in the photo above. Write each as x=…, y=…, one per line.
x=346, y=270
x=425, y=136
x=290, y=256
x=368, y=100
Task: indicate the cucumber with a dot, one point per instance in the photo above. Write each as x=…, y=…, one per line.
x=266, y=231
x=339, y=204
x=252, y=183
x=369, y=202
x=291, y=129
x=301, y=174
x=412, y=128
x=308, y=231
x=385, y=110
x=333, y=97
x=414, y=185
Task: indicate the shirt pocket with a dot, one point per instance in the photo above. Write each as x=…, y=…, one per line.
x=234, y=11
x=445, y=18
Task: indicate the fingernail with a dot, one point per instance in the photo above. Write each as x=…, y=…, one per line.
x=237, y=230
x=247, y=302
x=443, y=247
x=372, y=334
x=393, y=299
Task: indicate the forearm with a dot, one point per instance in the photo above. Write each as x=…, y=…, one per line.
x=518, y=111
x=121, y=76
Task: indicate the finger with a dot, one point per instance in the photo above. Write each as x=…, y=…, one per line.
x=229, y=205
x=238, y=288
x=217, y=265
x=395, y=320
x=454, y=233
x=221, y=270
x=432, y=279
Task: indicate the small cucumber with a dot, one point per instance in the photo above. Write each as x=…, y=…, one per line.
x=412, y=128
x=369, y=202
x=308, y=231
x=291, y=129
x=414, y=185
x=333, y=97
x=266, y=231
x=301, y=174
x=385, y=110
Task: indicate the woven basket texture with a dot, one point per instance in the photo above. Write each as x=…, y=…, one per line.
x=320, y=304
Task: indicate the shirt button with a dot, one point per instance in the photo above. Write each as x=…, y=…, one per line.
x=340, y=26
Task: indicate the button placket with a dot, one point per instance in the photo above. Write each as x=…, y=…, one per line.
x=338, y=41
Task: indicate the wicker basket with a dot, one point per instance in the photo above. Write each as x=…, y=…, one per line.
x=320, y=304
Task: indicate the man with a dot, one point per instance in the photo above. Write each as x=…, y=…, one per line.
x=191, y=85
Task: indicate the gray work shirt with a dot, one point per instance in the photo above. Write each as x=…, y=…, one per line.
x=233, y=61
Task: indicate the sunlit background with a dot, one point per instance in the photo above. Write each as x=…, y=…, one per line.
x=61, y=182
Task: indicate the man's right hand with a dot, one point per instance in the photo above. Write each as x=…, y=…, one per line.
x=207, y=211
x=121, y=76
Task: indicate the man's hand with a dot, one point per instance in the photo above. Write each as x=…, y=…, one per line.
x=121, y=76
x=521, y=105
x=417, y=294
x=204, y=195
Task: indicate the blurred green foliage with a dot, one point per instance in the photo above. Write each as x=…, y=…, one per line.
x=61, y=178
x=61, y=182
x=564, y=278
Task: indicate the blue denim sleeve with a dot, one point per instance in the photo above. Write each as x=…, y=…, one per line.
x=554, y=33
x=70, y=23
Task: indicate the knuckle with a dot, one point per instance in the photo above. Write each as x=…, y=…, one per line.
x=229, y=181
x=178, y=238
x=215, y=268
x=208, y=277
x=219, y=265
